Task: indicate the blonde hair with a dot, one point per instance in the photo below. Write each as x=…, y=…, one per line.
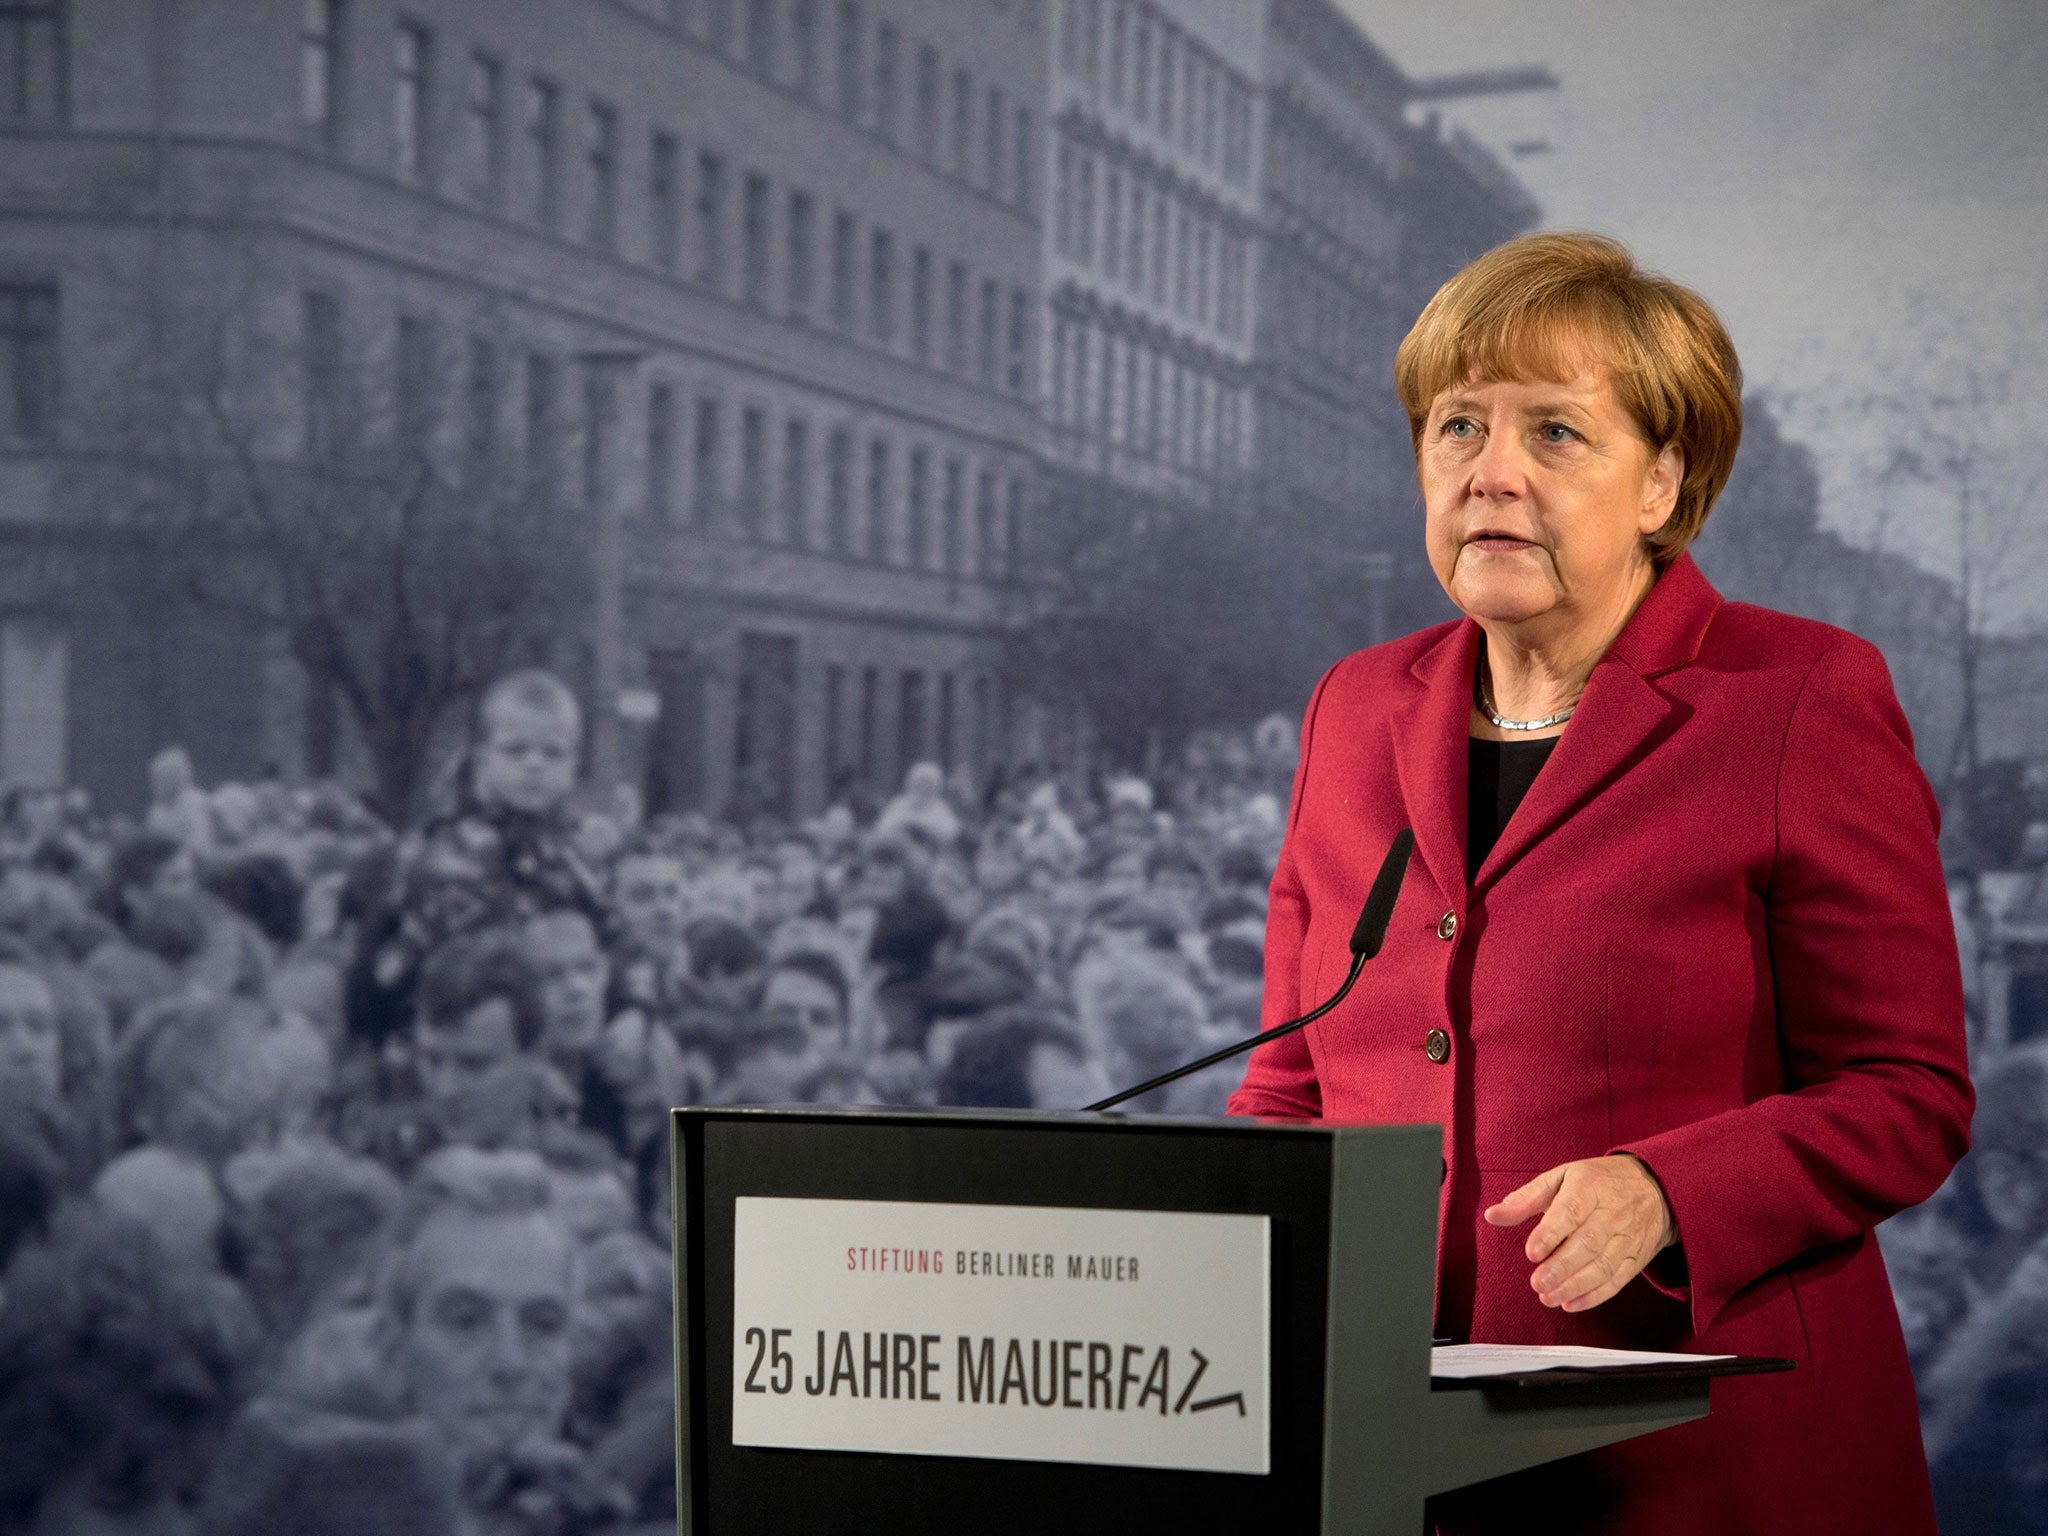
x=1543, y=306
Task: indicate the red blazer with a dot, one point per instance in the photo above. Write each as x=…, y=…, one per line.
x=1715, y=934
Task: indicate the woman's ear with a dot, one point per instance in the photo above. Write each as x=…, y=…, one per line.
x=1667, y=474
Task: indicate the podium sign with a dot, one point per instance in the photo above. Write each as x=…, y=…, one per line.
x=1010, y=1332
x=914, y=1322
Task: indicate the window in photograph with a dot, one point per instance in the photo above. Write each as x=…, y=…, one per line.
x=877, y=542
x=910, y=746
x=947, y=687
x=928, y=89
x=28, y=361
x=1065, y=216
x=603, y=232
x=1084, y=208
x=839, y=491
x=844, y=258
x=870, y=720
x=413, y=392
x=979, y=732
x=921, y=304
x=707, y=473
x=963, y=124
x=761, y=38
x=985, y=353
x=803, y=39
x=412, y=110
x=849, y=51
x=483, y=124
x=718, y=24
x=1155, y=400
x=835, y=722
x=1134, y=246
x=992, y=142
x=796, y=482
x=802, y=275
x=27, y=333
x=30, y=91
x=1211, y=114
x=1141, y=65
x=1183, y=259
x=711, y=219
x=952, y=514
x=1116, y=365
x=661, y=454
x=481, y=389
x=888, y=86
x=1119, y=42
x=755, y=237
x=1013, y=528
x=1112, y=221
x=1061, y=400
x=1016, y=369
x=983, y=562
x=918, y=510
x=956, y=316
x=882, y=288
x=1162, y=214
x=664, y=199
x=1237, y=133
x=1169, y=62
x=543, y=426
x=1022, y=154
x=753, y=497
x=543, y=138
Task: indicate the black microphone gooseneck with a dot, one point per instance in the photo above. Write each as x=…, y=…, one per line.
x=1366, y=939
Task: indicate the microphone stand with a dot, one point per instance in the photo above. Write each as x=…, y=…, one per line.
x=1366, y=939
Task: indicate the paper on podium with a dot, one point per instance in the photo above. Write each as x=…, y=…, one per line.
x=1461, y=1362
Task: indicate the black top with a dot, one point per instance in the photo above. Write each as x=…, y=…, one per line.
x=1497, y=775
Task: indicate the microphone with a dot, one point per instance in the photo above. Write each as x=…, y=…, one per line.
x=1366, y=939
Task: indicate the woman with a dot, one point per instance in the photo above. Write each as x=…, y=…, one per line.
x=1673, y=967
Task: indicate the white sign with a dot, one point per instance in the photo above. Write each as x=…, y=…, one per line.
x=1012, y=1332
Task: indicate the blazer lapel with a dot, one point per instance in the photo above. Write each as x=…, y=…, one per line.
x=1430, y=732
x=1622, y=715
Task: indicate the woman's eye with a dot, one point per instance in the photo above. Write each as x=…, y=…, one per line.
x=1460, y=427
x=1557, y=432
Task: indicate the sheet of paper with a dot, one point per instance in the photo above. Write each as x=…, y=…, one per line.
x=1468, y=1360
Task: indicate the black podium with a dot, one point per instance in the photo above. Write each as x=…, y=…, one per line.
x=1355, y=1435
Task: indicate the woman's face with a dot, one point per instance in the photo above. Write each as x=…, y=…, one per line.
x=1538, y=496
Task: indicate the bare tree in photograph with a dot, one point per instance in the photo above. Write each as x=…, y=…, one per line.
x=357, y=489
x=1954, y=451
x=1158, y=618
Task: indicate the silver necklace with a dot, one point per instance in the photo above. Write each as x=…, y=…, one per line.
x=1486, y=708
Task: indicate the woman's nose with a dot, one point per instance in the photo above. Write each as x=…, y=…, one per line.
x=1501, y=468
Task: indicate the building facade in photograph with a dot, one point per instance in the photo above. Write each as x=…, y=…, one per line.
x=1150, y=230
x=750, y=286
x=1364, y=213
x=727, y=344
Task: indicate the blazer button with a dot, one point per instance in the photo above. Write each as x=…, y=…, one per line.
x=1447, y=926
x=1436, y=1045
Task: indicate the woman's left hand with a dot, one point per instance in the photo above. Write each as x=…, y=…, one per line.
x=1604, y=1218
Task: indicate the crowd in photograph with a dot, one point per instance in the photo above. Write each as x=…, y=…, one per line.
x=333, y=1159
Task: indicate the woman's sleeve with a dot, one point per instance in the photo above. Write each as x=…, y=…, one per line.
x=1869, y=1004
x=1280, y=1079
